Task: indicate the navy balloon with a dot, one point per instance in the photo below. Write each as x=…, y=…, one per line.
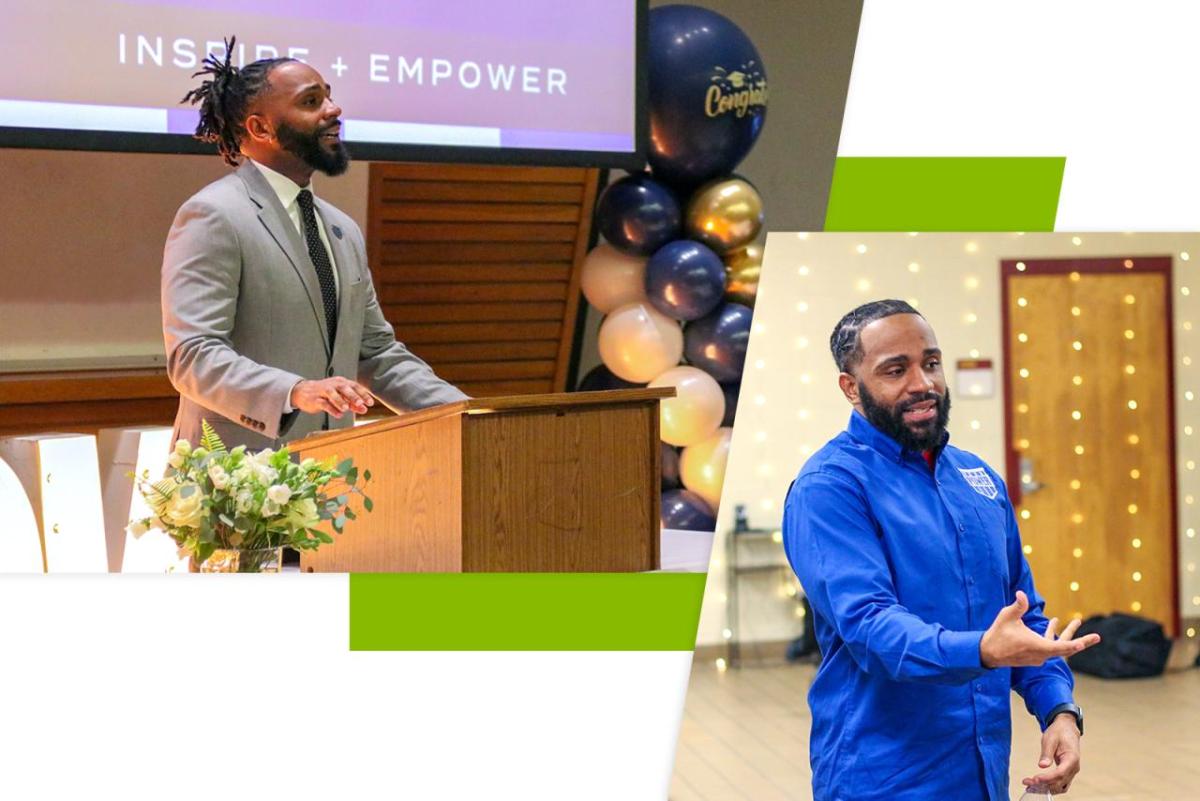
x=638, y=215
x=716, y=343
x=684, y=509
x=731, y=400
x=601, y=378
x=708, y=94
x=685, y=280
x=670, y=467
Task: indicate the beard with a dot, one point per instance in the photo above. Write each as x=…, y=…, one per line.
x=308, y=148
x=920, y=437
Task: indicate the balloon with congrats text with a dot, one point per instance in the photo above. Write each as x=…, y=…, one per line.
x=742, y=271
x=670, y=467
x=610, y=278
x=708, y=94
x=685, y=510
x=726, y=214
x=717, y=342
x=685, y=280
x=637, y=342
x=638, y=215
x=702, y=466
x=600, y=378
x=697, y=409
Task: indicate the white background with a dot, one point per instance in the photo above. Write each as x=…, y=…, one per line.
x=200, y=687
x=1110, y=85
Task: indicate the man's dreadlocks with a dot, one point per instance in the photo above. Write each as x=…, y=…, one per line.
x=225, y=98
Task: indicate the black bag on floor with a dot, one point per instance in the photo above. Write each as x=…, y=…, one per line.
x=1130, y=647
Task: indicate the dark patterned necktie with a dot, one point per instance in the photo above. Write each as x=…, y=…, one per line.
x=320, y=260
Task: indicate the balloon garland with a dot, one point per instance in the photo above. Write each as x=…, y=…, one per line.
x=678, y=272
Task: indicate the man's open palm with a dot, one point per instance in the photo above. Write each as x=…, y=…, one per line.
x=1008, y=642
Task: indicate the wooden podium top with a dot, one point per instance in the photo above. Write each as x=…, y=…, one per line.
x=475, y=406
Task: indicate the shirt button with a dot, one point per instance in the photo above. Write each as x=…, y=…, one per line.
x=971, y=580
x=961, y=527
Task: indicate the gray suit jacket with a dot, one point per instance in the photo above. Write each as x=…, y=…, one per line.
x=243, y=319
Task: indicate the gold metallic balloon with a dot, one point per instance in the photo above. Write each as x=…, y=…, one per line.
x=725, y=214
x=742, y=268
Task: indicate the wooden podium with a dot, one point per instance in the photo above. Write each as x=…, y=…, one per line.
x=564, y=483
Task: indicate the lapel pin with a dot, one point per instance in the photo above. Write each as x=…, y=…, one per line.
x=337, y=231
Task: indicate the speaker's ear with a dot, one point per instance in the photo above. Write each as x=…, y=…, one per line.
x=849, y=386
x=258, y=128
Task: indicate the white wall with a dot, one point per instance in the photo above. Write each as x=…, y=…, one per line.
x=790, y=404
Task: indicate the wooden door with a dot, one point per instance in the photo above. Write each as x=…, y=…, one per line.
x=1090, y=423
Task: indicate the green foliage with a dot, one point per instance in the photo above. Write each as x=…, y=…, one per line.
x=214, y=498
x=209, y=440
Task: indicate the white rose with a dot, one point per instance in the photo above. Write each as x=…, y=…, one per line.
x=269, y=509
x=175, y=460
x=244, y=500
x=280, y=494
x=185, y=512
x=220, y=478
x=137, y=528
x=265, y=475
x=242, y=474
x=183, y=447
x=263, y=456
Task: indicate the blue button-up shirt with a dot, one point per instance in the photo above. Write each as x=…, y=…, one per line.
x=905, y=568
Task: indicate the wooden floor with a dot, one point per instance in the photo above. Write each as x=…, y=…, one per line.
x=745, y=737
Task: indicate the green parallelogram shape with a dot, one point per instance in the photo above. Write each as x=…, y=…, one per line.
x=944, y=194
x=525, y=611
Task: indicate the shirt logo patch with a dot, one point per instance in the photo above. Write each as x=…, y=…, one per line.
x=981, y=482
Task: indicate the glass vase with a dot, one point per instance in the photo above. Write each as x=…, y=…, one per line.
x=237, y=560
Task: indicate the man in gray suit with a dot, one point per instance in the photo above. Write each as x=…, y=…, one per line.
x=269, y=312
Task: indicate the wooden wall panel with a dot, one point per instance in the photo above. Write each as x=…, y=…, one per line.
x=477, y=268
x=85, y=401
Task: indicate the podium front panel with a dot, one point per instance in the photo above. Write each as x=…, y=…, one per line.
x=562, y=490
x=416, y=487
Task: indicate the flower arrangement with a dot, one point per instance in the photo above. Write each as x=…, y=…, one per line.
x=214, y=498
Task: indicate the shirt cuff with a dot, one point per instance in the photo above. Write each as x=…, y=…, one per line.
x=1047, y=694
x=961, y=649
x=287, y=402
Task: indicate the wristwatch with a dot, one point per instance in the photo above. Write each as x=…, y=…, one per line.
x=1070, y=709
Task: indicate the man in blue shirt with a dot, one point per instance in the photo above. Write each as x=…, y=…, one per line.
x=923, y=602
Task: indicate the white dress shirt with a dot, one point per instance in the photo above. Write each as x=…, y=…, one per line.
x=288, y=191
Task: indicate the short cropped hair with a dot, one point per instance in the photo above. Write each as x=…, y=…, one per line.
x=845, y=343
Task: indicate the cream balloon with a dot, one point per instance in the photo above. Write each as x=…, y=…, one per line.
x=695, y=412
x=637, y=342
x=610, y=278
x=702, y=466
